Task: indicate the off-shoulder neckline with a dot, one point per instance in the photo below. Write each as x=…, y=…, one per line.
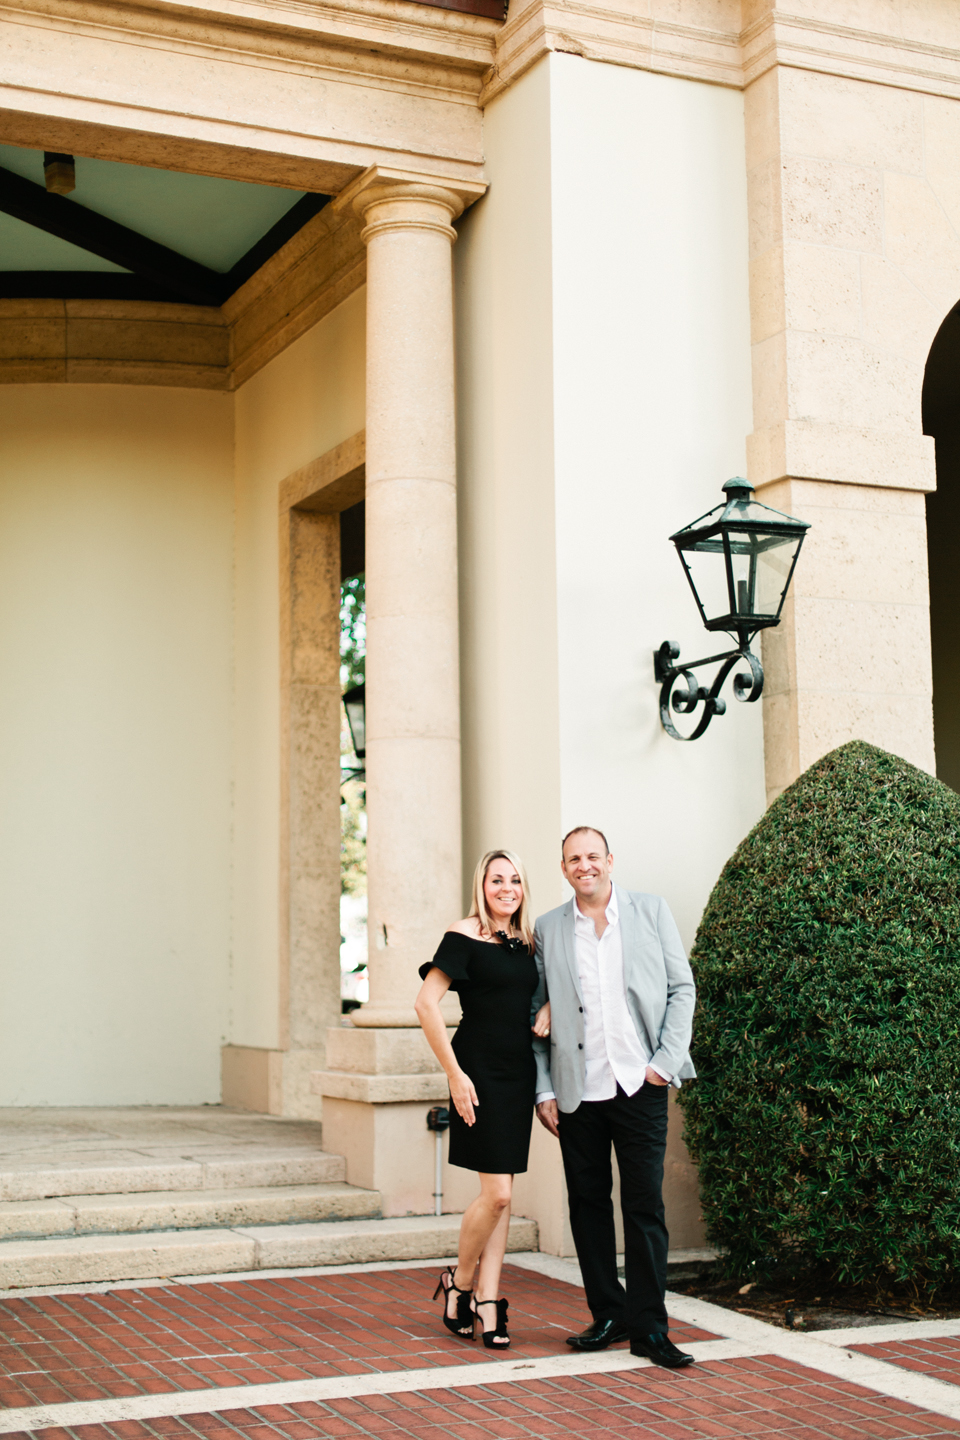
x=475, y=938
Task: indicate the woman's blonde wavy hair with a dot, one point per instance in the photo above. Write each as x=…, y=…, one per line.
x=520, y=918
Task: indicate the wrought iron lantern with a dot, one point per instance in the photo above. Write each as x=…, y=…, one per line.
x=739, y=559
x=354, y=702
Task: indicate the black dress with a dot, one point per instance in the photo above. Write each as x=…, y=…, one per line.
x=493, y=1044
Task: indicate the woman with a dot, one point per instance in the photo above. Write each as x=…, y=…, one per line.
x=488, y=960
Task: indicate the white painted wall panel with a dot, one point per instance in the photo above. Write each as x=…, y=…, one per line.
x=652, y=406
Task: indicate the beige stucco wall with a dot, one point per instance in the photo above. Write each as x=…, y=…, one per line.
x=115, y=616
x=310, y=398
x=139, y=737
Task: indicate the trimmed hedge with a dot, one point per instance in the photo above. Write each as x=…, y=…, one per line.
x=826, y=1116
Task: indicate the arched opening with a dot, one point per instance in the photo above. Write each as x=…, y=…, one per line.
x=941, y=418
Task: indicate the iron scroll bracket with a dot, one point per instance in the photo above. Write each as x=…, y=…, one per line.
x=680, y=691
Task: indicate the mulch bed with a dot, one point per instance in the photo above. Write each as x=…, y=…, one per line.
x=813, y=1303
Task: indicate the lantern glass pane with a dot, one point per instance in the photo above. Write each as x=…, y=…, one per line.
x=354, y=704
x=707, y=568
x=743, y=563
x=774, y=563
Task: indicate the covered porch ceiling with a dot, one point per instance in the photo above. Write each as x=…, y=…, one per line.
x=132, y=232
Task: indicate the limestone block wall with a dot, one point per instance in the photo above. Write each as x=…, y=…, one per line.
x=855, y=261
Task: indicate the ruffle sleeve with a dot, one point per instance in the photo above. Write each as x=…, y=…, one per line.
x=453, y=958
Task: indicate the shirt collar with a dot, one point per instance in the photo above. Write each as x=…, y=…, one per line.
x=612, y=911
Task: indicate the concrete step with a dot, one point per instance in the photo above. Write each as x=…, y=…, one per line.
x=133, y=1212
x=77, y=1259
x=40, y=1176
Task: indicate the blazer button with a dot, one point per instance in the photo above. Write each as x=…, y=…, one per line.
x=581, y=1009
x=579, y=1047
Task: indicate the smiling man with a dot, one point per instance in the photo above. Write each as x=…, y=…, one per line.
x=621, y=994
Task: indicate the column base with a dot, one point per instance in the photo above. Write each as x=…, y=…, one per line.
x=377, y=1089
x=382, y=1017
x=270, y=1082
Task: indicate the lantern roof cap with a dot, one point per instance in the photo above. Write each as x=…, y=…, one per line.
x=741, y=512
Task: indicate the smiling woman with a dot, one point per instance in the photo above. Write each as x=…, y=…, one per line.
x=488, y=959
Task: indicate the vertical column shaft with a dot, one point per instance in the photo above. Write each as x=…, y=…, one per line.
x=412, y=678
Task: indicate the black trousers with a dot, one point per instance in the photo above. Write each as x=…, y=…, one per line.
x=636, y=1126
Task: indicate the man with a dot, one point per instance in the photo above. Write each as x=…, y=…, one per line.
x=621, y=995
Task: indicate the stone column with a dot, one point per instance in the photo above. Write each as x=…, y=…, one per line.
x=412, y=679
x=413, y=673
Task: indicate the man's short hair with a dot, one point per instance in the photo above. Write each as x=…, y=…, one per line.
x=584, y=830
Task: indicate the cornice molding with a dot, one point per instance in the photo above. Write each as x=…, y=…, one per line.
x=284, y=30
x=105, y=342
x=598, y=32
x=720, y=56
x=108, y=342
x=802, y=43
x=311, y=275
x=307, y=105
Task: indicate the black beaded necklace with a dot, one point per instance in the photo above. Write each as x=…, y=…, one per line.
x=513, y=943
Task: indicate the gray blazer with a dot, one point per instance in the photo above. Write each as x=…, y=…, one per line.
x=659, y=986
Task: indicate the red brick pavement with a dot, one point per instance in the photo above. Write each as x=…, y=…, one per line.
x=758, y=1398
x=55, y=1348
x=939, y=1358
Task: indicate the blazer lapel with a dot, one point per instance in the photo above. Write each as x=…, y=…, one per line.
x=630, y=939
x=628, y=930
x=568, y=932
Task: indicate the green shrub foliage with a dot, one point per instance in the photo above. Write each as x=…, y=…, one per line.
x=826, y=1115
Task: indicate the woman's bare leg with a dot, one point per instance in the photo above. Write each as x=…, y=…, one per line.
x=483, y=1220
x=491, y=1262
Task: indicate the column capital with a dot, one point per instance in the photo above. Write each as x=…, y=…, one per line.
x=389, y=199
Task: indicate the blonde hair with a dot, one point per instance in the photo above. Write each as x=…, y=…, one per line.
x=520, y=919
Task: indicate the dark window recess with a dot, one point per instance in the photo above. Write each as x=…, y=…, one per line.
x=941, y=418
x=352, y=560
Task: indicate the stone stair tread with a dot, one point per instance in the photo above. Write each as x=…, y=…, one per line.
x=135, y=1173
x=74, y=1259
x=141, y=1211
x=407, y=1237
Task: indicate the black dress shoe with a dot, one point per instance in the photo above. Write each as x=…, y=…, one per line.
x=661, y=1350
x=599, y=1335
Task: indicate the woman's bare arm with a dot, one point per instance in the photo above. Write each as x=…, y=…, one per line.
x=427, y=1006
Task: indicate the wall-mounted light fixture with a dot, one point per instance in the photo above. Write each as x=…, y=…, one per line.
x=59, y=172
x=739, y=559
x=355, y=704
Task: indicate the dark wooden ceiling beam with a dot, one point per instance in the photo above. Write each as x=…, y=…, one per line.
x=81, y=285
x=184, y=279
x=278, y=235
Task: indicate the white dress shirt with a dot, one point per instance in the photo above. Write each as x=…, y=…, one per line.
x=612, y=1050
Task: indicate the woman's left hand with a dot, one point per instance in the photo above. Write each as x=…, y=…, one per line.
x=541, y=1025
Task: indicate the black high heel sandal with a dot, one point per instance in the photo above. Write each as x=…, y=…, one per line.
x=497, y=1339
x=463, y=1324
